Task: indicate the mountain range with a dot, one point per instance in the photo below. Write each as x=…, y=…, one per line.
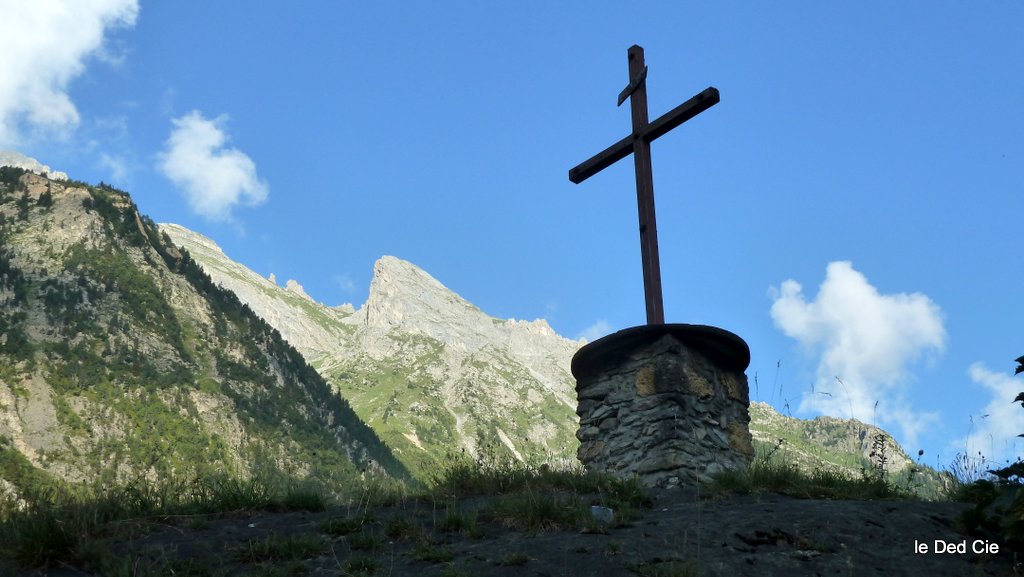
x=133, y=350
x=415, y=348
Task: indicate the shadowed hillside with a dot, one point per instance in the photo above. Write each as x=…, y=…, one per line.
x=119, y=358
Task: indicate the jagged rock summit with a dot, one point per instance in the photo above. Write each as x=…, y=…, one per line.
x=19, y=160
x=404, y=297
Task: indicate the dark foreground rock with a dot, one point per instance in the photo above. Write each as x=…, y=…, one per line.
x=679, y=534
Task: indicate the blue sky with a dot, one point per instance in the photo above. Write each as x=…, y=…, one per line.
x=852, y=208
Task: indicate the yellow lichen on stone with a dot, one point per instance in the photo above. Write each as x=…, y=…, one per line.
x=739, y=439
x=644, y=381
x=698, y=385
x=732, y=386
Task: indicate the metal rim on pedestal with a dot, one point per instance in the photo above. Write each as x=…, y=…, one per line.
x=719, y=345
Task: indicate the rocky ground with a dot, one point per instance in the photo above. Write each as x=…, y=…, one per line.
x=680, y=534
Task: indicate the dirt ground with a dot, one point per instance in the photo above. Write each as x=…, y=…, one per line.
x=679, y=534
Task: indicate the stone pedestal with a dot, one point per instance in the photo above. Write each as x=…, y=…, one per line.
x=668, y=403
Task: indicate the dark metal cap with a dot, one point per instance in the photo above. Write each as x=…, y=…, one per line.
x=718, y=345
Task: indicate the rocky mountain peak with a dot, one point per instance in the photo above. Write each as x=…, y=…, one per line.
x=406, y=299
x=403, y=295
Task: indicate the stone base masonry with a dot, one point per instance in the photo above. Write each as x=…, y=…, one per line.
x=667, y=403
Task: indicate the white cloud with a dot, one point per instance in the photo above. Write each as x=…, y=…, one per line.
x=866, y=340
x=595, y=331
x=993, y=432
x=43, y=46
x=215, y=179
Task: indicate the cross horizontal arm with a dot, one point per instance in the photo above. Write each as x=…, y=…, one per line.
x=666, y=122
x=680, y=114
x=602, y=160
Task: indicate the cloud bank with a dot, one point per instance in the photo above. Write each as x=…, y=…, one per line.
x=215, y=179
x=43, y=46
x=865, y=341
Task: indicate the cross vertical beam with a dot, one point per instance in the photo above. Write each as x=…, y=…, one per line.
x=639, y=144
x=645, y=189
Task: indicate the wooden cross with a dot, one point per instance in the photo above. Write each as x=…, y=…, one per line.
x=639, y=143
